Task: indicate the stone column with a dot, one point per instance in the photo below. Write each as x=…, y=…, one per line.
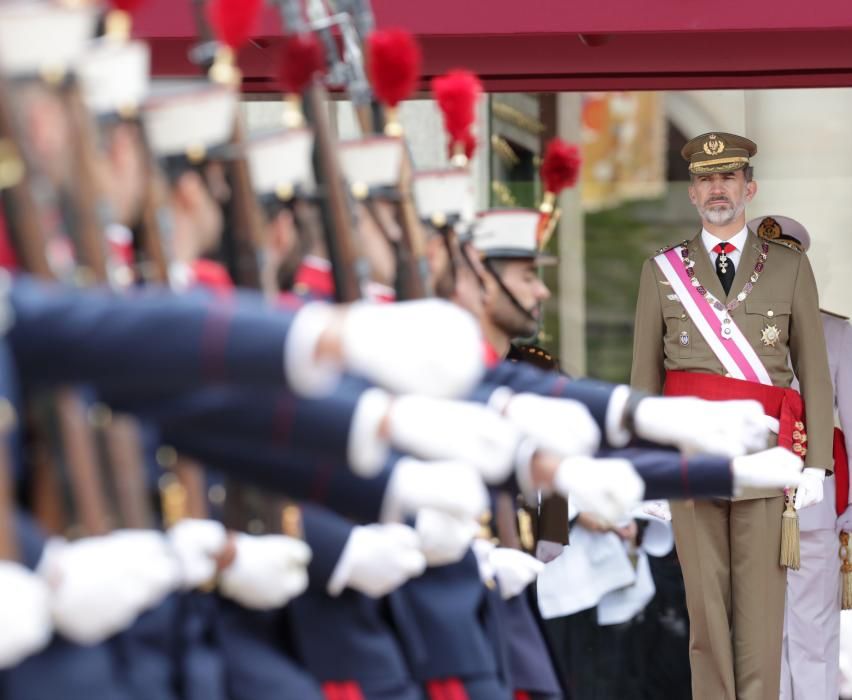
x=572, y=277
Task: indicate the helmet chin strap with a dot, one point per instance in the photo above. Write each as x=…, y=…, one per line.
x=500, y=283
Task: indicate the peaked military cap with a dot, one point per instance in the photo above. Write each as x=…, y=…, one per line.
x=445, y=197
x=783, y=230
x=510, y=234
x=280, y=163
x=718, y=152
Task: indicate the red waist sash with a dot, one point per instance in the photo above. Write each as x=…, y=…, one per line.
x=841, y=472
x=785, y=404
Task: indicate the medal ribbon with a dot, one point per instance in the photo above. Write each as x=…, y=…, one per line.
x=736, y=354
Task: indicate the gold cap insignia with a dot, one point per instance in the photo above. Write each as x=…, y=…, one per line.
x=714, y=146
x=769, y=229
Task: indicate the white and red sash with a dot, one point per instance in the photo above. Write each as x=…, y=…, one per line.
x=735, y=351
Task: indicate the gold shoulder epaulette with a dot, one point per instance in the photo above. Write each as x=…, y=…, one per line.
x=831, y=313
x=667, y=248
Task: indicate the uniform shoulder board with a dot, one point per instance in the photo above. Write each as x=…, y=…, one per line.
x=834, y=315
x=666, y=249
x=784, y=243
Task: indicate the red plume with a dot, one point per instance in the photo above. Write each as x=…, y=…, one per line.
x=561, y=166
x=393, y=64
x=128, y=6
x=456, y=93
x=233, y=20
x=301, y=58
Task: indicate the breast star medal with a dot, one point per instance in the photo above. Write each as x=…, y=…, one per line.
x=770, y=336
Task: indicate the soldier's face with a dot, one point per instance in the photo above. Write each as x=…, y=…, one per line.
x=127, y=172
x=47, y=131
x=521, y=279
x=721, y=198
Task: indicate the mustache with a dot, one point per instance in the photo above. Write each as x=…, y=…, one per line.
x=719, y=200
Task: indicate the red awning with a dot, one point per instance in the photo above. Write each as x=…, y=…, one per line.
x=562, y=45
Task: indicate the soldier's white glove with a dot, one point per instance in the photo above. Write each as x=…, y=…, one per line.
x=444, y=538
x=377, y=559
x=196, y=544
x=561, y=426
x=770, y=469
x=100, y=585
x=810, y=489
x=149, y=560
x=515, y=570
x=844, y=521
x=404, y=347
x=609, y=488
x=695, y=426
x=482, y=549
x=267, y=572
x=453, y=487
x=25, y=611
x=441, y=429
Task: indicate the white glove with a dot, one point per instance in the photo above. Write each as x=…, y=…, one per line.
x=444, y=539
x=561, y=426
x=25, y=612
x=267, y=572
x=515, y=570
x=427, y=347
x=771, y=469
x=546, y=551
x=482, y=549
x=100, y=585
x=724, y=428
x=810, y=489
x=149, y=560
x=453, y=487
x=441, y=429
x=844, y=521
x=378, y=559
x=196, y=544
x=608, y=488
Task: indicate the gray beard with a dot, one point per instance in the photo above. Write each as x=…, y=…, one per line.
x=721, y=216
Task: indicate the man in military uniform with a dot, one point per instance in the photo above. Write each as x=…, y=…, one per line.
x=718, y=317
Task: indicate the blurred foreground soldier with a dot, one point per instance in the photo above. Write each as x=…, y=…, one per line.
x=809, y=664
x=717, y=317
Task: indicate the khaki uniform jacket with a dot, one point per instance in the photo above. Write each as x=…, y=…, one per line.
x=785, y=296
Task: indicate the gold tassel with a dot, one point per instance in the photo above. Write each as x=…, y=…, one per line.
x=790, y=532
x=846, y=571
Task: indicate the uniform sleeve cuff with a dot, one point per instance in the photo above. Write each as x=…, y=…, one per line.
x=617, y=434
x=342, y=570
x=573, y=512
x=367, y=451
x=305, y=375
